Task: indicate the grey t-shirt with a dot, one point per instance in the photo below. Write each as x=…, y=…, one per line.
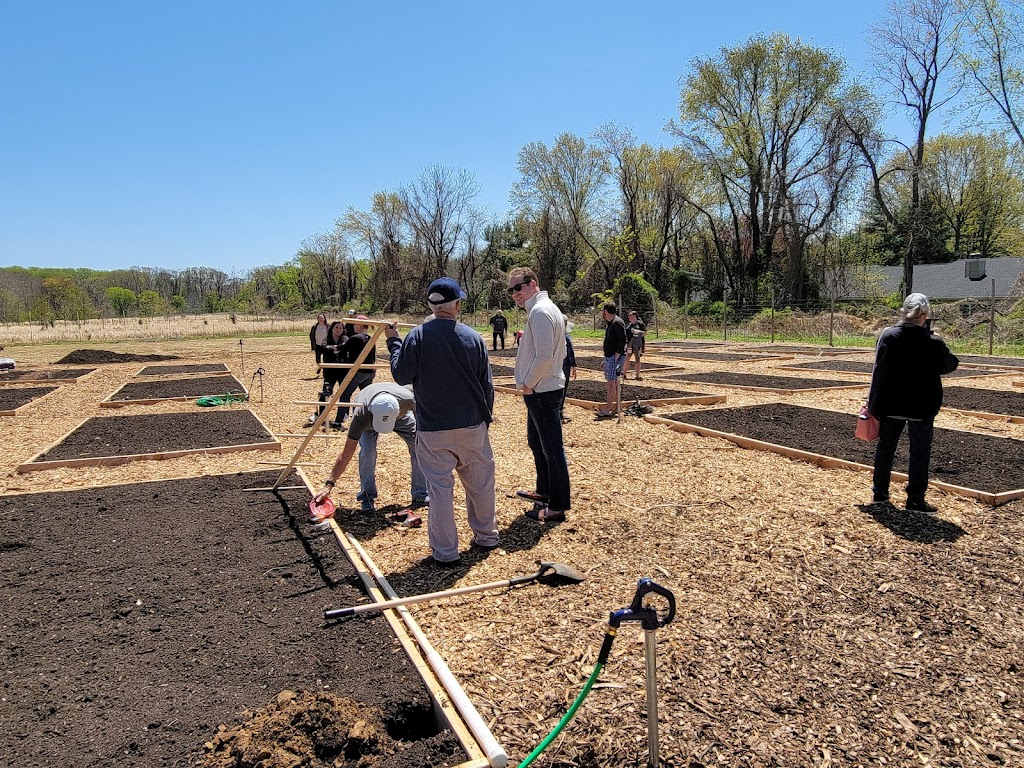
x=362, y=419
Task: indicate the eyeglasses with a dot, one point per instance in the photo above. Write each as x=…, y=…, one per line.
x=518, y=286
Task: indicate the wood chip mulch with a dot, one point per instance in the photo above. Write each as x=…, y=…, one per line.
x=809, y=632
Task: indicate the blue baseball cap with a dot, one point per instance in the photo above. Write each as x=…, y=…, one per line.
x=443, y=290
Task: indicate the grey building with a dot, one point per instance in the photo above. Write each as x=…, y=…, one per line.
x=939, y=281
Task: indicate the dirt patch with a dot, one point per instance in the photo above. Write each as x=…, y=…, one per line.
x=597, y=363
x=685, y=344
x=158, y=433
x=160, y=370
x=100, y=356
x=866, y=367
x=720, y=357
x=12, y=399
x=981, y=462
x=67, y=374
x=984, y=400
x=171, y=388
x=983, y=360
x=595, y=391
x=760, y=381
x=140, y=617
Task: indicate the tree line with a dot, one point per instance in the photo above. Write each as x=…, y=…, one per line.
x=780, y=180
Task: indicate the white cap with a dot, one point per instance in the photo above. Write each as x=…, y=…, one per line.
x=915, y=305
x=384, y=408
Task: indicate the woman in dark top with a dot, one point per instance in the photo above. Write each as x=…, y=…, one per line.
x=906, y=390
x=318, y=337
x=333, y=351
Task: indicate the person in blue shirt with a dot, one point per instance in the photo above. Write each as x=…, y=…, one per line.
x=446, y=363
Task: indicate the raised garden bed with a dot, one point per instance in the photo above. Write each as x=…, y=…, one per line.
x=865, y=367
x=762, y=382
x=13, y=400
x=985, y=403
x=101, y=356
x=29, y=376
x=149, y=392
x=140, y=618
x=806, y=350
x=163, y=370
x=980, y=466
x=991, y=361
x=591, y=394
x=114, y=440
x=722, y=357
x=683, y=344
x=596, y=363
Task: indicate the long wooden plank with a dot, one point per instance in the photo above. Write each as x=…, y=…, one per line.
x=829, y=462
x=773, y=390
x=113, y=461
x=1010, y=418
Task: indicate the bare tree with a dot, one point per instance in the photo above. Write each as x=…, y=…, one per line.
x=992, y=57
x=437, y=207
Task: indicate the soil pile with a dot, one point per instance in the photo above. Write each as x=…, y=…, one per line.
x=103, y=356
x=307, y=730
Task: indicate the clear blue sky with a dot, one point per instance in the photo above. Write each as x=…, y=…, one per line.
x=222, y=133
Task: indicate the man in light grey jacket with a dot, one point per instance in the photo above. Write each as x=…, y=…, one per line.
x=539, y=375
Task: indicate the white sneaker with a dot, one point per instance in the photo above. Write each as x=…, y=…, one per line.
x=311, y=420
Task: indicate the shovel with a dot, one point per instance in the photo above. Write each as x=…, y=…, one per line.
x=558, y=569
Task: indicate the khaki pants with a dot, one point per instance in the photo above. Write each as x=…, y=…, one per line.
x=468, y=452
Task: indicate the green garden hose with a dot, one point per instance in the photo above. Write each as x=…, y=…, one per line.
x=230, y=397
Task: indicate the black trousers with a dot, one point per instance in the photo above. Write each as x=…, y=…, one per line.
x=889, y=432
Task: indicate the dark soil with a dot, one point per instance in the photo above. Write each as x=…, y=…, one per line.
x=506, y=352
x=984, y=400
x=981, y=462
x=1010, y=362
x=685, y=344
x=159, y=433
x=761, y=381
x=862, y=366
x=139, y=618
x=596, y=363
x=809, y=350
x=38, y=375
x=160, y=370
x=595, y=391
x=94, y=356
x=734, y=357
x=15, y=398
x=193, y=387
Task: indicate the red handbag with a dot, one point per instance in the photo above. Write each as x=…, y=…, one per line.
x=867, y=425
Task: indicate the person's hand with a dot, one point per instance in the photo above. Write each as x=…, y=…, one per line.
x=391, y=331
x=527, y=390
x=325, y=492
x=573, y=372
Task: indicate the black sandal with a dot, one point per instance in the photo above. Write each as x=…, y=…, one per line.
x=545, y=515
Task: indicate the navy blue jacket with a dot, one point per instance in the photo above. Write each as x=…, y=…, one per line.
x=908, y=363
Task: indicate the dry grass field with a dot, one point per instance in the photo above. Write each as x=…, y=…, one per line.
x=809, y=632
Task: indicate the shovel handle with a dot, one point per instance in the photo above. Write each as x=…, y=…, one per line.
x=340, y=613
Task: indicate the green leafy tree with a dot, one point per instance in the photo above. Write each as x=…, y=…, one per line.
x=151, y=304
x=121, y=300
x=991, y=57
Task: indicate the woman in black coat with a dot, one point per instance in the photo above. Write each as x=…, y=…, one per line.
x=906, y=390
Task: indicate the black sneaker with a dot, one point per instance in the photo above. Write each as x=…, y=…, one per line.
x=922, y=507
x=429, y=560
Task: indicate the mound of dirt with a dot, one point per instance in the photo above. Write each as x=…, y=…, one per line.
x=103, y=356
x=308, y=730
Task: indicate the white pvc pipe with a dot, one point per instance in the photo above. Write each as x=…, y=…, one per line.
x=496, y=756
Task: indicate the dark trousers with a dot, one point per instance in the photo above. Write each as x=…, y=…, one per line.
x=359, y=381
x=319, y=358
x=566, y=370
x=889, y=432
x=544, y=436
x=494, y=339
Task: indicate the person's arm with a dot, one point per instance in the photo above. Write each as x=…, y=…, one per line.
x=545, y=332
x=403, y=356
x=340, y=464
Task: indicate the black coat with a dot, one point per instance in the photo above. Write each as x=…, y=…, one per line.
x=908, y=363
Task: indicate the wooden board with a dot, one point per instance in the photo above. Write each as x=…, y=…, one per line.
x=155, y=370
x=593, y=405
x=774, y=390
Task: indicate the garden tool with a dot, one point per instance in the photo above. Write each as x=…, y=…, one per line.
x=241, y=351
x=259, y=372
x=559, y=570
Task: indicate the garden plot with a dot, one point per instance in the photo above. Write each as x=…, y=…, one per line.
x=112, y=440
x=985, y=403
x=991, y=361
x=141, y=617
x=720, y=357
x=652, y=343
x=39, y=376
x=161, y=390
x=823, y=351
x=588, y=393
x=197, y=368
x=597, y=363
x=983, y=467
x=102, y=356
x=866, y=367
x=761, y=382
x=13, y=400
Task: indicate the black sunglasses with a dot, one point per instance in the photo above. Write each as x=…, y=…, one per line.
x=518, y=286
